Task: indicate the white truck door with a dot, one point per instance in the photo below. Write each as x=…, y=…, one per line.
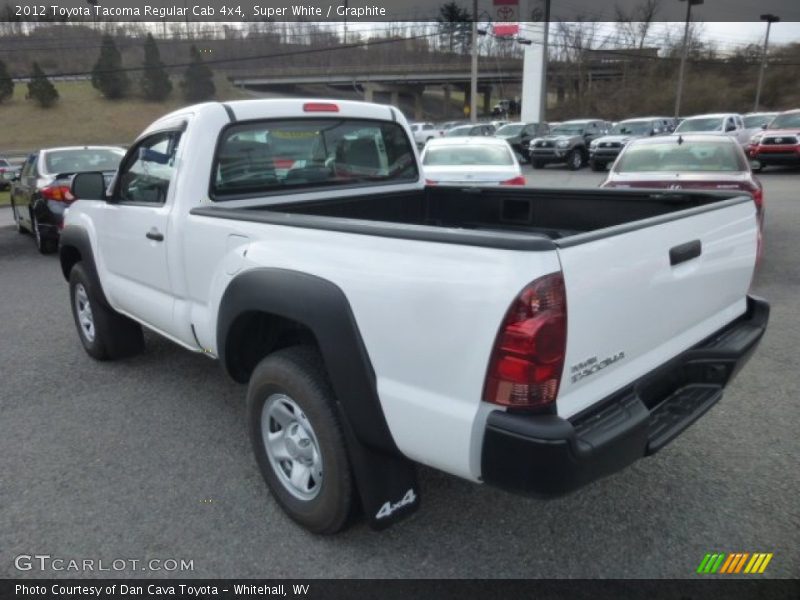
x=133, y=233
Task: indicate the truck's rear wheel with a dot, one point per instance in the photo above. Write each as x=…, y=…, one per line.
x=104, y=333
x=298, y=441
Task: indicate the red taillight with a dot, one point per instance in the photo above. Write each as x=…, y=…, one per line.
x=320, y=107
x=520, y=180
x=528, y=357
x=59, y=193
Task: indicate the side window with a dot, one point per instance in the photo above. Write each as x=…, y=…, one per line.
x=428, y=126
x=148, y=170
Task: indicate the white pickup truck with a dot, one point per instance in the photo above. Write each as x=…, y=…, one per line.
x=532, y=339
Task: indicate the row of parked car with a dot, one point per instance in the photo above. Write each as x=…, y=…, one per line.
x=767, y=137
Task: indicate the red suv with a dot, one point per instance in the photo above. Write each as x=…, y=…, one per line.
x=779, y=143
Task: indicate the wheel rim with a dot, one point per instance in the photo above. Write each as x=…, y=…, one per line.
x=83, y=310
x=291, y=446
x=576, y=160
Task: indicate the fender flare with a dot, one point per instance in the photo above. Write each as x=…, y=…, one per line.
x=76, y=239
x=382, y=473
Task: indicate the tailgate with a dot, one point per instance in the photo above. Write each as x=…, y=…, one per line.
x=639, y=294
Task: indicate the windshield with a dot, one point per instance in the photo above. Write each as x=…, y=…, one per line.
x=631, y=128
x=510, y=130
x=265, y=156
x=689, y=157
x=458, y=155
x=786, y=121
x=85, y=159
x=707, y=124
x=568, y=130
x=459, y=131
x=757, y=120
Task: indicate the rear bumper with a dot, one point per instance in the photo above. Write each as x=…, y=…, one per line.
x=546, y=454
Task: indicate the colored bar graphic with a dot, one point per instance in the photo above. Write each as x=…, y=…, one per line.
x=722, y=563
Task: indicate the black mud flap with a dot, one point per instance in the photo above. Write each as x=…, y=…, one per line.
x=387, y=484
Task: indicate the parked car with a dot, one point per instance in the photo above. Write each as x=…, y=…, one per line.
x=7, y=173
x=379, y=322
x=567, y=143
x=687, y=162
x=519, y=136
x=41, y=192
x=470, y=161
x=605, y=149
x=778, y=143
x=754, y=122
x=729, y=124
x=424, y=132
x=471, y=129
x=450, y=124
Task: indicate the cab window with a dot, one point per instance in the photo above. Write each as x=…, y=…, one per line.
x=148, y=170
x=279, y=155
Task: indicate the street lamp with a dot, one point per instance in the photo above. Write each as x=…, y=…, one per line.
x=770, y=19
x=689, y=4
x=473, y=81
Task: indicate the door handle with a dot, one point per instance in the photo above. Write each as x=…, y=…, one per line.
x=685, y=252
x=155, y=235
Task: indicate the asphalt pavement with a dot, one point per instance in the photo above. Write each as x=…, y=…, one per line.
x=148, y=458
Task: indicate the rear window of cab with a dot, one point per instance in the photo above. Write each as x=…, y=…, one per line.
x=263, y=157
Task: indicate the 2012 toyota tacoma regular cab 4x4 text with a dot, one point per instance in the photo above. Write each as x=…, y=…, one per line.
x=534, y=340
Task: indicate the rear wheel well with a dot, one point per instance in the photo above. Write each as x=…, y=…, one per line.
x=69, y=256
x=253, y=335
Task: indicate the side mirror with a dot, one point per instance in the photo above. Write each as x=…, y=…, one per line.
x=764, y=126
x=89, y=186
x=730, y=127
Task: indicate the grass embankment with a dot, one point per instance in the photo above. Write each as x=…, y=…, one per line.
x=82, y=116
x=5, y=199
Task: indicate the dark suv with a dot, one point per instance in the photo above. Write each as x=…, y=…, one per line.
x=519, y=136
x=568, y=143
x=605, y=149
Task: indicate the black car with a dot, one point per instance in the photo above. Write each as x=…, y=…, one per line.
x=40, y=193
x=519, y=136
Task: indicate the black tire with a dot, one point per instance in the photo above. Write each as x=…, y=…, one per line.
x=45, y=245
x=297, y=373
x=114, y=335
x=597, y=166
x=574, y=160
x=537, y=164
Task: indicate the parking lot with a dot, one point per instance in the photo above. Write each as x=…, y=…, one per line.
x=148, y=458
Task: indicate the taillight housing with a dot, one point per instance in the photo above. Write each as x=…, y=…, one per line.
x=59, y=193
x=519, y=180
x=527, y=361
x=431, y=182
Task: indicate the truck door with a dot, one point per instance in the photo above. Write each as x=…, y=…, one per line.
x=134, y=231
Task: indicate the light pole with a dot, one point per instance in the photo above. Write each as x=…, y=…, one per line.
x=543, y=101
x=473, y=81
x=770, y=19
x=689, y=4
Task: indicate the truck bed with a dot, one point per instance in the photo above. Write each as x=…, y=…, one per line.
x=525, y=219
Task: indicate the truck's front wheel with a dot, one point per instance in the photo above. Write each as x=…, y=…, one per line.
x=298, y=441
x=104, y=333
